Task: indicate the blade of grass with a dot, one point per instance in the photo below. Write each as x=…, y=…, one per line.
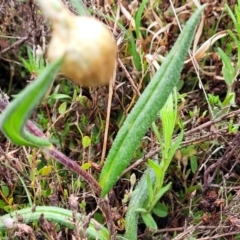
x=134, y=53
x=139, y=16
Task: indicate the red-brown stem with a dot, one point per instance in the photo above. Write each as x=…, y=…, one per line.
x=72, y=165
x=54, y=153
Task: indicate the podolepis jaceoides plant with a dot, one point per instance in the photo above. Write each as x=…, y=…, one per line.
x=151, y=187
x=82, y=56
x=168, y=116
x=35, y=63
x=147, y=108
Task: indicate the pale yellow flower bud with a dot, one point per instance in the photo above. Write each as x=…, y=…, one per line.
x=88, y=47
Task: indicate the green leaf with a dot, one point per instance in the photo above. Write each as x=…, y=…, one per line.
x=29, y=64
x=147, y=107
x=227, y=101
x=58, y=96
x=141, y=210
x=86, y=141
x=227, y=69
x=150, y=188
x=62, y=108
x=237, y=42
x=4, y=189
x=2, y=204
x=58, y=215
x=168, y=118
x=194, y=163
x=155, y=167
x=188, y=151
x=139, y=196
x=161, y=210
x=86, y=166
x=156, y=132
x=159, y=195
x=15, y=116
x=139, y=16
x=149, y=221
x=230, y=13
x=46, y=170
x=193, y=188
x=159, y=174
x=175, y=145
x=134, y=53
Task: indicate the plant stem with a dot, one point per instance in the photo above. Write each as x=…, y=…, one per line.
x=70, y=164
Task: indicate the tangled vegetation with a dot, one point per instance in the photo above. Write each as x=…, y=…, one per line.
x=152, y=155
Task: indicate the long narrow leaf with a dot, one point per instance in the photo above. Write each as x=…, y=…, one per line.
x=162, y=191
x=135, y=55
x=14, y=117
x=147, y=107
x=139, y=16
x=140, y=194
x=175, y=145
x=228, y=70
x=57, y=215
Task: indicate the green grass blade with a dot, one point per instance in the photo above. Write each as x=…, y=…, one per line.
x=147, y=107
x=135, y=55
x=232, y=16
x=139, y=16
x=14, y=117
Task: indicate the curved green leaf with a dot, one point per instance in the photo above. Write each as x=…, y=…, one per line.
x=14, y=117
x=58, y=215
x=147, y=107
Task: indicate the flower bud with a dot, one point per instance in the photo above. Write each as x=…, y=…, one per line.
x=88, y=47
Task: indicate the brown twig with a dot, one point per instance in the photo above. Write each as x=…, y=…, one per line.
x=141, y=160
x=110, y=94
x=211, y=122
x=129, y=77
x=219, y=236
x=18, y=42
x=191, y=229
x=215, y=166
